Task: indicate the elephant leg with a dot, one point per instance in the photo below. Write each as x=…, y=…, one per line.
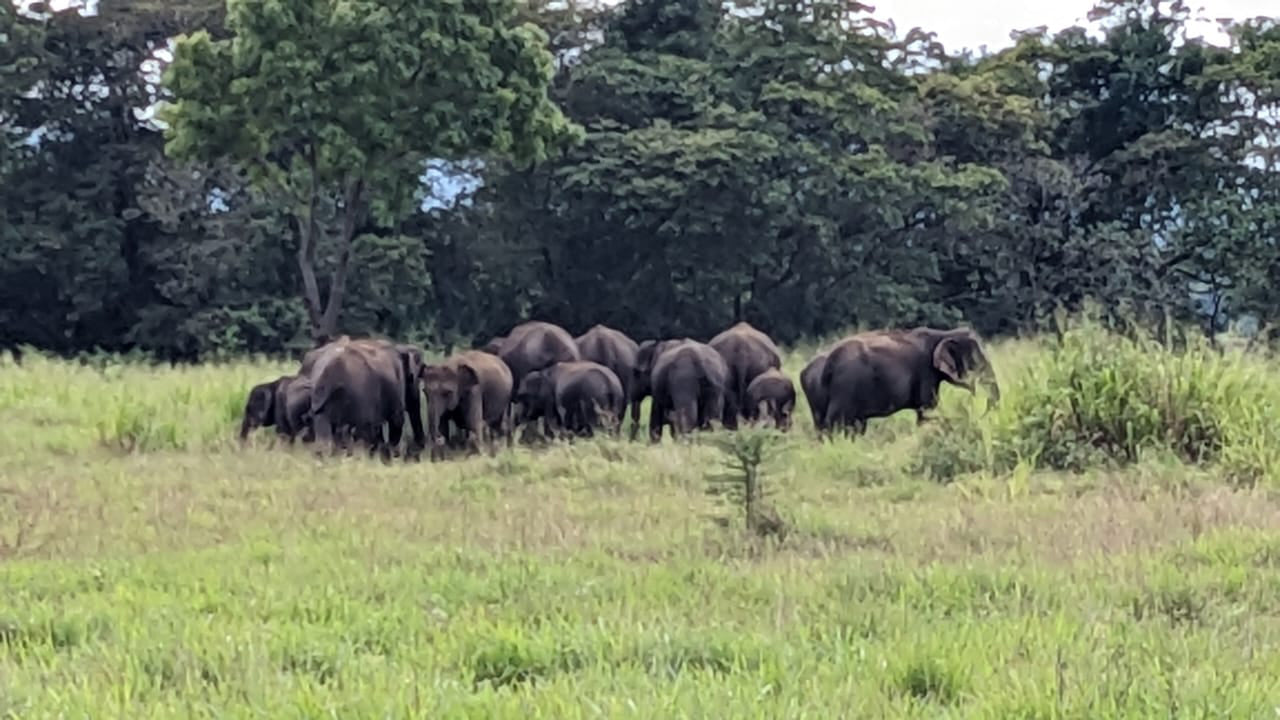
x=323, y=430
x=729, y=412
x=635, y=418
x=476, y=425
x=716, y=402
x=395, y=431
x=657, y=414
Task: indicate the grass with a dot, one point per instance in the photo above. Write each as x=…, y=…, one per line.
x=151, y=569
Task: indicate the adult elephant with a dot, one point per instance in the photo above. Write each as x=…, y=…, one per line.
x=407, y=356
x=472, y=390
x=535, y=345
x=614, y=350
x=747, y=353
x=578, y=397
x=688, y=381
x=283, y=403
x=877, y=374
x=814, y=394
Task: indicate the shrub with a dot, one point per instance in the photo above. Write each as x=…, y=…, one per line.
x=1099, y=398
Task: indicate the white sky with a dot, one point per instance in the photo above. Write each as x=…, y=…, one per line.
x=970, y=24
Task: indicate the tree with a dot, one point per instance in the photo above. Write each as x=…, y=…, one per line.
x=340, y=104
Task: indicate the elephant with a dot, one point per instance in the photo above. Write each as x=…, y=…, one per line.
x=580, y=395
x=771, y=395
x=747, y=352
x=811, y=384
x=494, y=346
x=688, y=381
x=410, y=361
x=614, y=350
x=284, y=403
x=361, y=386
x=877, y=374
x=473, y=390
x=535, y=345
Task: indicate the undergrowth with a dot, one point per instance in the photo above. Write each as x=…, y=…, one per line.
x=1093, y=398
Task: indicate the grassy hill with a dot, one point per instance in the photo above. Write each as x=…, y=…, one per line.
x=1102, y=544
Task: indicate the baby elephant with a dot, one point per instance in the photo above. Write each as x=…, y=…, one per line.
x=284, y=403
x=772, y=395
x=575, y=397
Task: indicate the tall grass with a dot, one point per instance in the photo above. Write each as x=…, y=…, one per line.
x=149, y=570
x=126, y=406
x=1092, y=398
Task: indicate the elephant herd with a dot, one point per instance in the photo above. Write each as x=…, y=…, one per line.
x=539, y=375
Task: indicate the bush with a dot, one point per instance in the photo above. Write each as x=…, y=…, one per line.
x=1097, y=398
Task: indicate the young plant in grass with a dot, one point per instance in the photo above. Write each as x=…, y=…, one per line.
x=741, y=486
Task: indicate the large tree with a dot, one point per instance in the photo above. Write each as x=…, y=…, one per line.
x=336, y=105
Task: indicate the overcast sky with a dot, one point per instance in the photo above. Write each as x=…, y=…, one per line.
x=960, y=24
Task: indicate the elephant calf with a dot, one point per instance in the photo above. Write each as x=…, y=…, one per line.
x=284, y=403
x=688, y=381
x=576, y=397
x=747, y=353
x=771, y=395
x=472, y=390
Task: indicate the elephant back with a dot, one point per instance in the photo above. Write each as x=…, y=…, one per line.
x=537, y=346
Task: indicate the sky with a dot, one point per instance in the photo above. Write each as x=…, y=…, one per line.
x=971, y=24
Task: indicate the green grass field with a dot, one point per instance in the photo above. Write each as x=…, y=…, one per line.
x=1103, y=544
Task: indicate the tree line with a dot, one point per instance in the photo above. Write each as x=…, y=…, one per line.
x=665, y=166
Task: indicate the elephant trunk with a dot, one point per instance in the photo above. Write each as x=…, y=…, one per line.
x=433, y=430
x=245, y=426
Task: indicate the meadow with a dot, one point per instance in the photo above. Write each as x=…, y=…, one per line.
x=1102, y=544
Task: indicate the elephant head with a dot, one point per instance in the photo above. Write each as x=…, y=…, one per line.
x=534, y=397
x=260, y=408
x=645, y=358
x=494, y=346
x=444, y=387
x=958, y=355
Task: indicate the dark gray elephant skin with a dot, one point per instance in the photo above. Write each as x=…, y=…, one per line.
x=472, y=390
x=283, y=403
x=407, y=356
x=877, y=374
x=359, y=386
x=811, y=385
x=580, y=397
x=747, y=352
x=688, y=382
x=771, y=397
x=614, y=350
x=536, y=345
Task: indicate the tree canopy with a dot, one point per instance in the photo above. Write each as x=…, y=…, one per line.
x=664, y=166
x=344, y=102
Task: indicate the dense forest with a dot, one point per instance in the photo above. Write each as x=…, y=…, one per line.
x=663, y=166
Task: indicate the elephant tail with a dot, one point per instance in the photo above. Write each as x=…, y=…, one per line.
x=322, y=397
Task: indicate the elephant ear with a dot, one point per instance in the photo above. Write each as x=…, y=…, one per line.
x=948, y=358
x=467, y=377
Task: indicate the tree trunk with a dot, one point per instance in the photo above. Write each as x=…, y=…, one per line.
x=307, y=239
x=351, y=200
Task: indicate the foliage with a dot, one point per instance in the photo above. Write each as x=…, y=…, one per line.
x=742, y=485
x=1098, y=398
x=343, y=103
x=796, y=164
